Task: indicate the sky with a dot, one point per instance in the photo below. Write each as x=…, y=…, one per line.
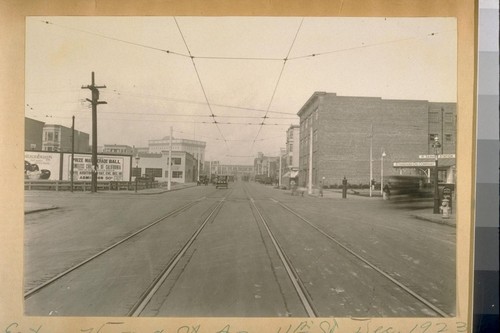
x=187, y=72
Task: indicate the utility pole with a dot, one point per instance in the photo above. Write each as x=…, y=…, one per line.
x=279, y=180
x=170, y=161
x=198, y=176
x=72, y=150
x=371, y=159
x=94, y=101
x=309, y=190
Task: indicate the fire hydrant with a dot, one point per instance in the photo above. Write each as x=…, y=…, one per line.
x=445, y=209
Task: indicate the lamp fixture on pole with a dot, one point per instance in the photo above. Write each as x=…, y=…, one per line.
x=382, y=173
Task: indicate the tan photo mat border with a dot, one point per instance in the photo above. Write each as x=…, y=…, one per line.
x=12, y=45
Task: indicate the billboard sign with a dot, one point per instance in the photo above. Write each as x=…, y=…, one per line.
x=42, y=165
x=109, y=167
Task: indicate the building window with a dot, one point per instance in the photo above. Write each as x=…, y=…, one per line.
x=56, y=136
x=155, y=172
x=434, y=117
x=177, y=174
x=448, y=137
x=291, y=160
x=448, y=117
x=136, y=172
x=432, y=136
x=175, y=161
x=290, y=147
x=50, y=136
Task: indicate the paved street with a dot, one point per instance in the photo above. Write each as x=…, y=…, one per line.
x=230, y=252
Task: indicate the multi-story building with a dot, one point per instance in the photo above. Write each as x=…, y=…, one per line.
x=33, y=133
x=292, y=146
x=118, y=149
x=58, y=138
x=290, y=156
x=266, y=166
x=238, y=171
x=193, y=147
x=342, y=131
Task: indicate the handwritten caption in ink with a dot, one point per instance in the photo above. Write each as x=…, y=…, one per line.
x=306, y=326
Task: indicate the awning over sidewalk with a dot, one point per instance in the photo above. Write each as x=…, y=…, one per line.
x=290, y=174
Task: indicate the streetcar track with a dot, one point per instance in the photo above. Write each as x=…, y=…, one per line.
x=156, y=284
x=174, y=212
x=297, y=283
x=367, y=262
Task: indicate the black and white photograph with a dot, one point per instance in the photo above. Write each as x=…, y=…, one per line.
x=240, y=166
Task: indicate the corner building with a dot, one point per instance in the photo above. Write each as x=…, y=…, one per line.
x=342, y=129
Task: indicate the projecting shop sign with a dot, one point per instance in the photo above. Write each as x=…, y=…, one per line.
x=413, y=164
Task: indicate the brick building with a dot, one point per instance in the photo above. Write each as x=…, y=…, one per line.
x=343, y=129
x=33, y=133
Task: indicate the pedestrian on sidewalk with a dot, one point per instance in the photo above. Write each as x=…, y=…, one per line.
x=386, y=192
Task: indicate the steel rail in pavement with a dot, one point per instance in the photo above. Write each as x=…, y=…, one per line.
x=33, y=291
x=146, y=297
x=377, y=269
x=294, y=277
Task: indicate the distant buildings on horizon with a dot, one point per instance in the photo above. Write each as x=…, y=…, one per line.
x=338, y=130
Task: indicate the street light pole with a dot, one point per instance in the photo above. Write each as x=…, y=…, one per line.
x=371, y=159
x=436, y=145
x=382, y=173
x=136, y=170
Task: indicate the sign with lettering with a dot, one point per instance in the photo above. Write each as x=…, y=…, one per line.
x=41, y=165
x=413, y=164
x=439, y=156
x=109, y=167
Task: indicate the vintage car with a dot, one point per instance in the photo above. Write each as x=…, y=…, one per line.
x=222, y=181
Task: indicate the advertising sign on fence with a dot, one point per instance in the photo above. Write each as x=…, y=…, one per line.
x=41, y=165
x=109, y=167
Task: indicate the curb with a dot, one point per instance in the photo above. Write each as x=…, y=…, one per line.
x=435, y=220
x=40, y=210
x=165, y=191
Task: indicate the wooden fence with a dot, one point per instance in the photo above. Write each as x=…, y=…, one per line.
x=65, y=185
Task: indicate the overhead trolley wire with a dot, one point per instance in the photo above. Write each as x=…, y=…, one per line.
x=243, y=108
x=279, y=78
x=118, y=39
x=199, y=80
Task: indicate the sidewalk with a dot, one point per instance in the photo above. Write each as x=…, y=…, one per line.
x=422, y=214
x=32, y=207
x=428, y=215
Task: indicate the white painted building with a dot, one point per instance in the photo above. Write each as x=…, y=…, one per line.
x=193, y=147
x=184, y=166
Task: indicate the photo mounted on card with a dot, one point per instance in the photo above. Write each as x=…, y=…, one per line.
x=235, y=172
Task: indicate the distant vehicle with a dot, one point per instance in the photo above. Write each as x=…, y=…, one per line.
x=203, y=180
x=222, y=181
x=408, y=188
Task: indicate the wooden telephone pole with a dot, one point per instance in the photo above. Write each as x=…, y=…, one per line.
x=94, y=101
